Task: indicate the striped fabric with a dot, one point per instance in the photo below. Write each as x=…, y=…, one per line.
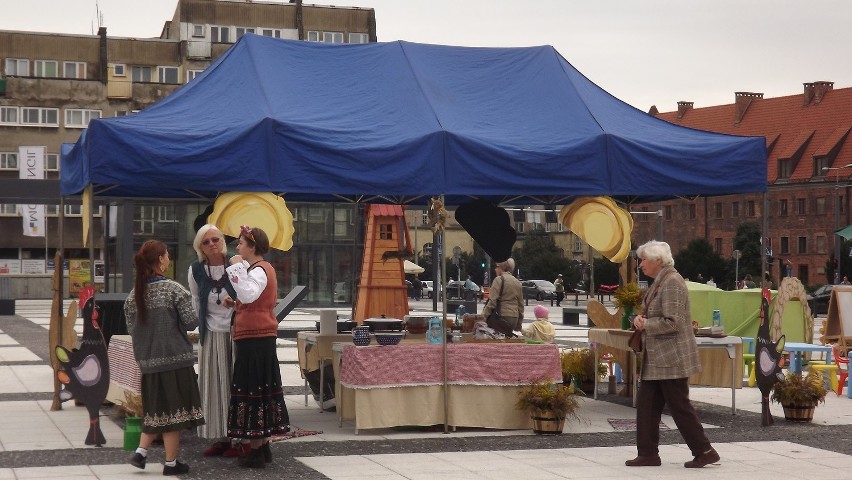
x=123, y=369
x=215, y=367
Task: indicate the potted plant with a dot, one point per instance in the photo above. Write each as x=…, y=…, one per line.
x=799, y=395
x=628, y=298
x=578, y=368
x=548, y=404
x=132, y=406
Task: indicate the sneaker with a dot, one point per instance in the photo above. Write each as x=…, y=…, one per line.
x=237, y=450
x=137, y=460
x=644, y=462
x=706, y=458
x=178, y=469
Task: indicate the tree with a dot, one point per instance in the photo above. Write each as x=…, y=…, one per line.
x=540, y=258
x=747, y=241
x=699, y=258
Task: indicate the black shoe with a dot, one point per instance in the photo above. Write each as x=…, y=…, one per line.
x=706, y=458
x=644, y=462
x=137, y=460
x=178, y=469
x=254, y=459
x=267, y=452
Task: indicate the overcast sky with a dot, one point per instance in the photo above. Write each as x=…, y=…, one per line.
x=645, y=52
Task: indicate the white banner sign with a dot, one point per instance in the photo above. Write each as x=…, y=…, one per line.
x=31, y=167
x=31, y=163
x=33, y=220
x=32, y=266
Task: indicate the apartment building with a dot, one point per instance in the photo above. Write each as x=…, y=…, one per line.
x=52, y=85
x=808, y=171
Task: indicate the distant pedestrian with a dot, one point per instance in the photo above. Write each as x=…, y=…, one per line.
x=711, y=282
x=560, y=289
x=418, y=287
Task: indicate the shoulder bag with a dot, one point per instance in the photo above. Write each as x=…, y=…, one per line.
x=495, y=314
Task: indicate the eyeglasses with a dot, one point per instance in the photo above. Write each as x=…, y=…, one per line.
x=246, y=232
x=208, y=241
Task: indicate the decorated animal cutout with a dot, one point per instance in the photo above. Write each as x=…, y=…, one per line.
x=84, y=373
x=768, y=359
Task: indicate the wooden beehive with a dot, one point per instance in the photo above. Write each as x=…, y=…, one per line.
x=381, y=288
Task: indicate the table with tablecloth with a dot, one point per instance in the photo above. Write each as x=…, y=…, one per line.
x=389, y=386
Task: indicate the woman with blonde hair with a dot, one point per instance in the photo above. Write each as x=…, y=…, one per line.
x=209, y=285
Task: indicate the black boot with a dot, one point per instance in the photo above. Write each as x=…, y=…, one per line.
x=267, y=452
x=253, y=459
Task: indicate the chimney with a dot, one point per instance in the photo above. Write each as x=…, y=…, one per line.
x=742, y=102
x=653, y=111
x=809, y=93
x=820, y=89
x=682, y=108
x=103, y=55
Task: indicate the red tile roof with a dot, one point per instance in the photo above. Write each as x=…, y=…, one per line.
x=792, y=128
x=382, y=210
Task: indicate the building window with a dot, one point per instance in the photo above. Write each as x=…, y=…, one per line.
x=167, y=75
x=8, y=209
x=785, y=245
x=802, y=245
x=820, y=205
x=425, y=217
x=359, y=38
x=668, y=212
x=220, y=34
x=191, y=74
x=519, y=227
x=313, y=36
x=198, y=30
x=140, y=73
x=143, y=220
x=79, y=117
x=47, y=68
x=782, y=207
x=51, y=162
x=803, y=274
x=74, y=70
x=17, y=67
x=784, y=168
x=332, y=37
x=243, y=30
x=8, y=115
x=691, y=208
x=820, y=244
x=386, y=231
x=801, y=206
x=271, y=32
x=717, y=246
x=166, y=214
x=717, y=209
x=8, y=161
x=841, y=203
x=119, y=70
x=750, y=208
x=735, y=209
x=73, y=210
x=42, y=117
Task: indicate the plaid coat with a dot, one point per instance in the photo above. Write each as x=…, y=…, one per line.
x=669, y=349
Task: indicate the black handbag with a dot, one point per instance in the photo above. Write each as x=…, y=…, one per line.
x=494, y=316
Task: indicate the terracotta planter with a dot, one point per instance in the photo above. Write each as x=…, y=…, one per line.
x=799, y=413
x=547, y=423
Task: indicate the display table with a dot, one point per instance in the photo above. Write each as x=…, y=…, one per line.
x=713, y=353
x=124, y=371
x=390, y=386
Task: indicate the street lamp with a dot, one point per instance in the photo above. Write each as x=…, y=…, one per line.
x=836, y=217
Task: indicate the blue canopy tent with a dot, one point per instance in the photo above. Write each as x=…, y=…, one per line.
x=399, y=122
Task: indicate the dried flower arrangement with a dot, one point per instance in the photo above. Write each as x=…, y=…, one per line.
x=132, y=405
x=628, y=296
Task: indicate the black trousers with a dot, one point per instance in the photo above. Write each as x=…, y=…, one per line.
x=653, y=396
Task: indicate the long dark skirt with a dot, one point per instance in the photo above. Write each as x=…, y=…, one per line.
x=257, y=407
x=170, y=401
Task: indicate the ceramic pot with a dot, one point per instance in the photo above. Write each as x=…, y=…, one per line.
x=361, y=335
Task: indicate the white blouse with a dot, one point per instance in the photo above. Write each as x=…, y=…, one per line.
x=249, y=284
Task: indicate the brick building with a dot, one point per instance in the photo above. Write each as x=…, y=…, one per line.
x=808, y=171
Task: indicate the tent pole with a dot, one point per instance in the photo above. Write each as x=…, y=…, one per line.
x=444, y=333
x=764, y=232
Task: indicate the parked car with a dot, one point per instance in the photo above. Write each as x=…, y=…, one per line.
x=539, y=289
x=427, y=288
x=818, y=300
x=456, y=291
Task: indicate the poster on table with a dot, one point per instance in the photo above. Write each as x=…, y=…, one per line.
x=79, y=274
x=32, y=266
x=10, y=266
